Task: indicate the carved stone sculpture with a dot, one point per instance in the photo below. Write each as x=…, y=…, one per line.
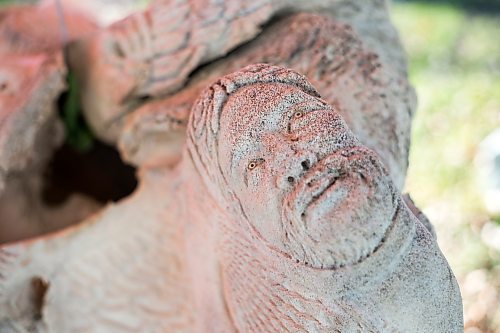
x=276, y=219
x=310, y=233
x=369, y=79
x=159, y=59
x=346, y=73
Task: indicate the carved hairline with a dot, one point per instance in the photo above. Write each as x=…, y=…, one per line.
x=203, y=126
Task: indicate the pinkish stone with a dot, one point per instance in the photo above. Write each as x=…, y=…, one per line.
x=299, y=223
x=32, y=78
x=376, y=101
x=30, y=131
x=276, y=219
x=154, y=54
x=37, y=28
x=29, y=86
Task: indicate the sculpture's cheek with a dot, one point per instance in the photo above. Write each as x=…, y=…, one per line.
x=347, y=225
x=255, y=180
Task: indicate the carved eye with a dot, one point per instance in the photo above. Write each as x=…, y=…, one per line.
x=298, y=114
x=254, y=163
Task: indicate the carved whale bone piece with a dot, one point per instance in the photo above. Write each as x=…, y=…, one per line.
x=331, y=55
x=143, y=57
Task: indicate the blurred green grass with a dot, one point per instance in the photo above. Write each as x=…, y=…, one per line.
x=454, y=64
x=6, y=2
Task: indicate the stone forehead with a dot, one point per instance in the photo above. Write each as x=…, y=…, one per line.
x=264, y=73
x=207, y=110
x=260, y=107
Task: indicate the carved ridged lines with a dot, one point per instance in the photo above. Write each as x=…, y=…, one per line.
x=172, y=38
x=8, y=262
x=335, y=61
x=256, y=296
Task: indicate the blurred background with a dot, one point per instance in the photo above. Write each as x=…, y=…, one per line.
x=454, y=63
x=454, y=176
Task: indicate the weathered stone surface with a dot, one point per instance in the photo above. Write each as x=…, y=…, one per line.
x=276, y=219
x=37, y=29
x=376, y=101
x=153, y=54
x=120, y=271
x=310, y=233
x=29, y=86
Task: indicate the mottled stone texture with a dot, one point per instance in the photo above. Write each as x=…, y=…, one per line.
x=375, y=100
x=37, y=29
x=310, y=232
x=154, y=61
x=39, y=79
x=29, y=132
x=276, y=219
x=269, y=198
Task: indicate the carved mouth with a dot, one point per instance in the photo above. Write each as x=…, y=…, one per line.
x=328, y=219
x=323, y=179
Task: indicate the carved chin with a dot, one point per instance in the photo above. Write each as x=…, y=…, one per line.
x=340, y=211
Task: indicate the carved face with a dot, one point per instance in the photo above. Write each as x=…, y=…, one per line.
x=302, y=179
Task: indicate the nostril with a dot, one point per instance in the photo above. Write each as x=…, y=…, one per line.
x=306, y=164
x=291, y=180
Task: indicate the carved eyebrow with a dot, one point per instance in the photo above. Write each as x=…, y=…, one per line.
x=305, y=106
x=309, y=105
x=288, y=104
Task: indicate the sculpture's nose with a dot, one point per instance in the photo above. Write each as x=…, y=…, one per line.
x=294, y=168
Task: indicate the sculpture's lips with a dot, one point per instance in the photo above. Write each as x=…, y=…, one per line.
x=323, y=216
x=325, y=177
